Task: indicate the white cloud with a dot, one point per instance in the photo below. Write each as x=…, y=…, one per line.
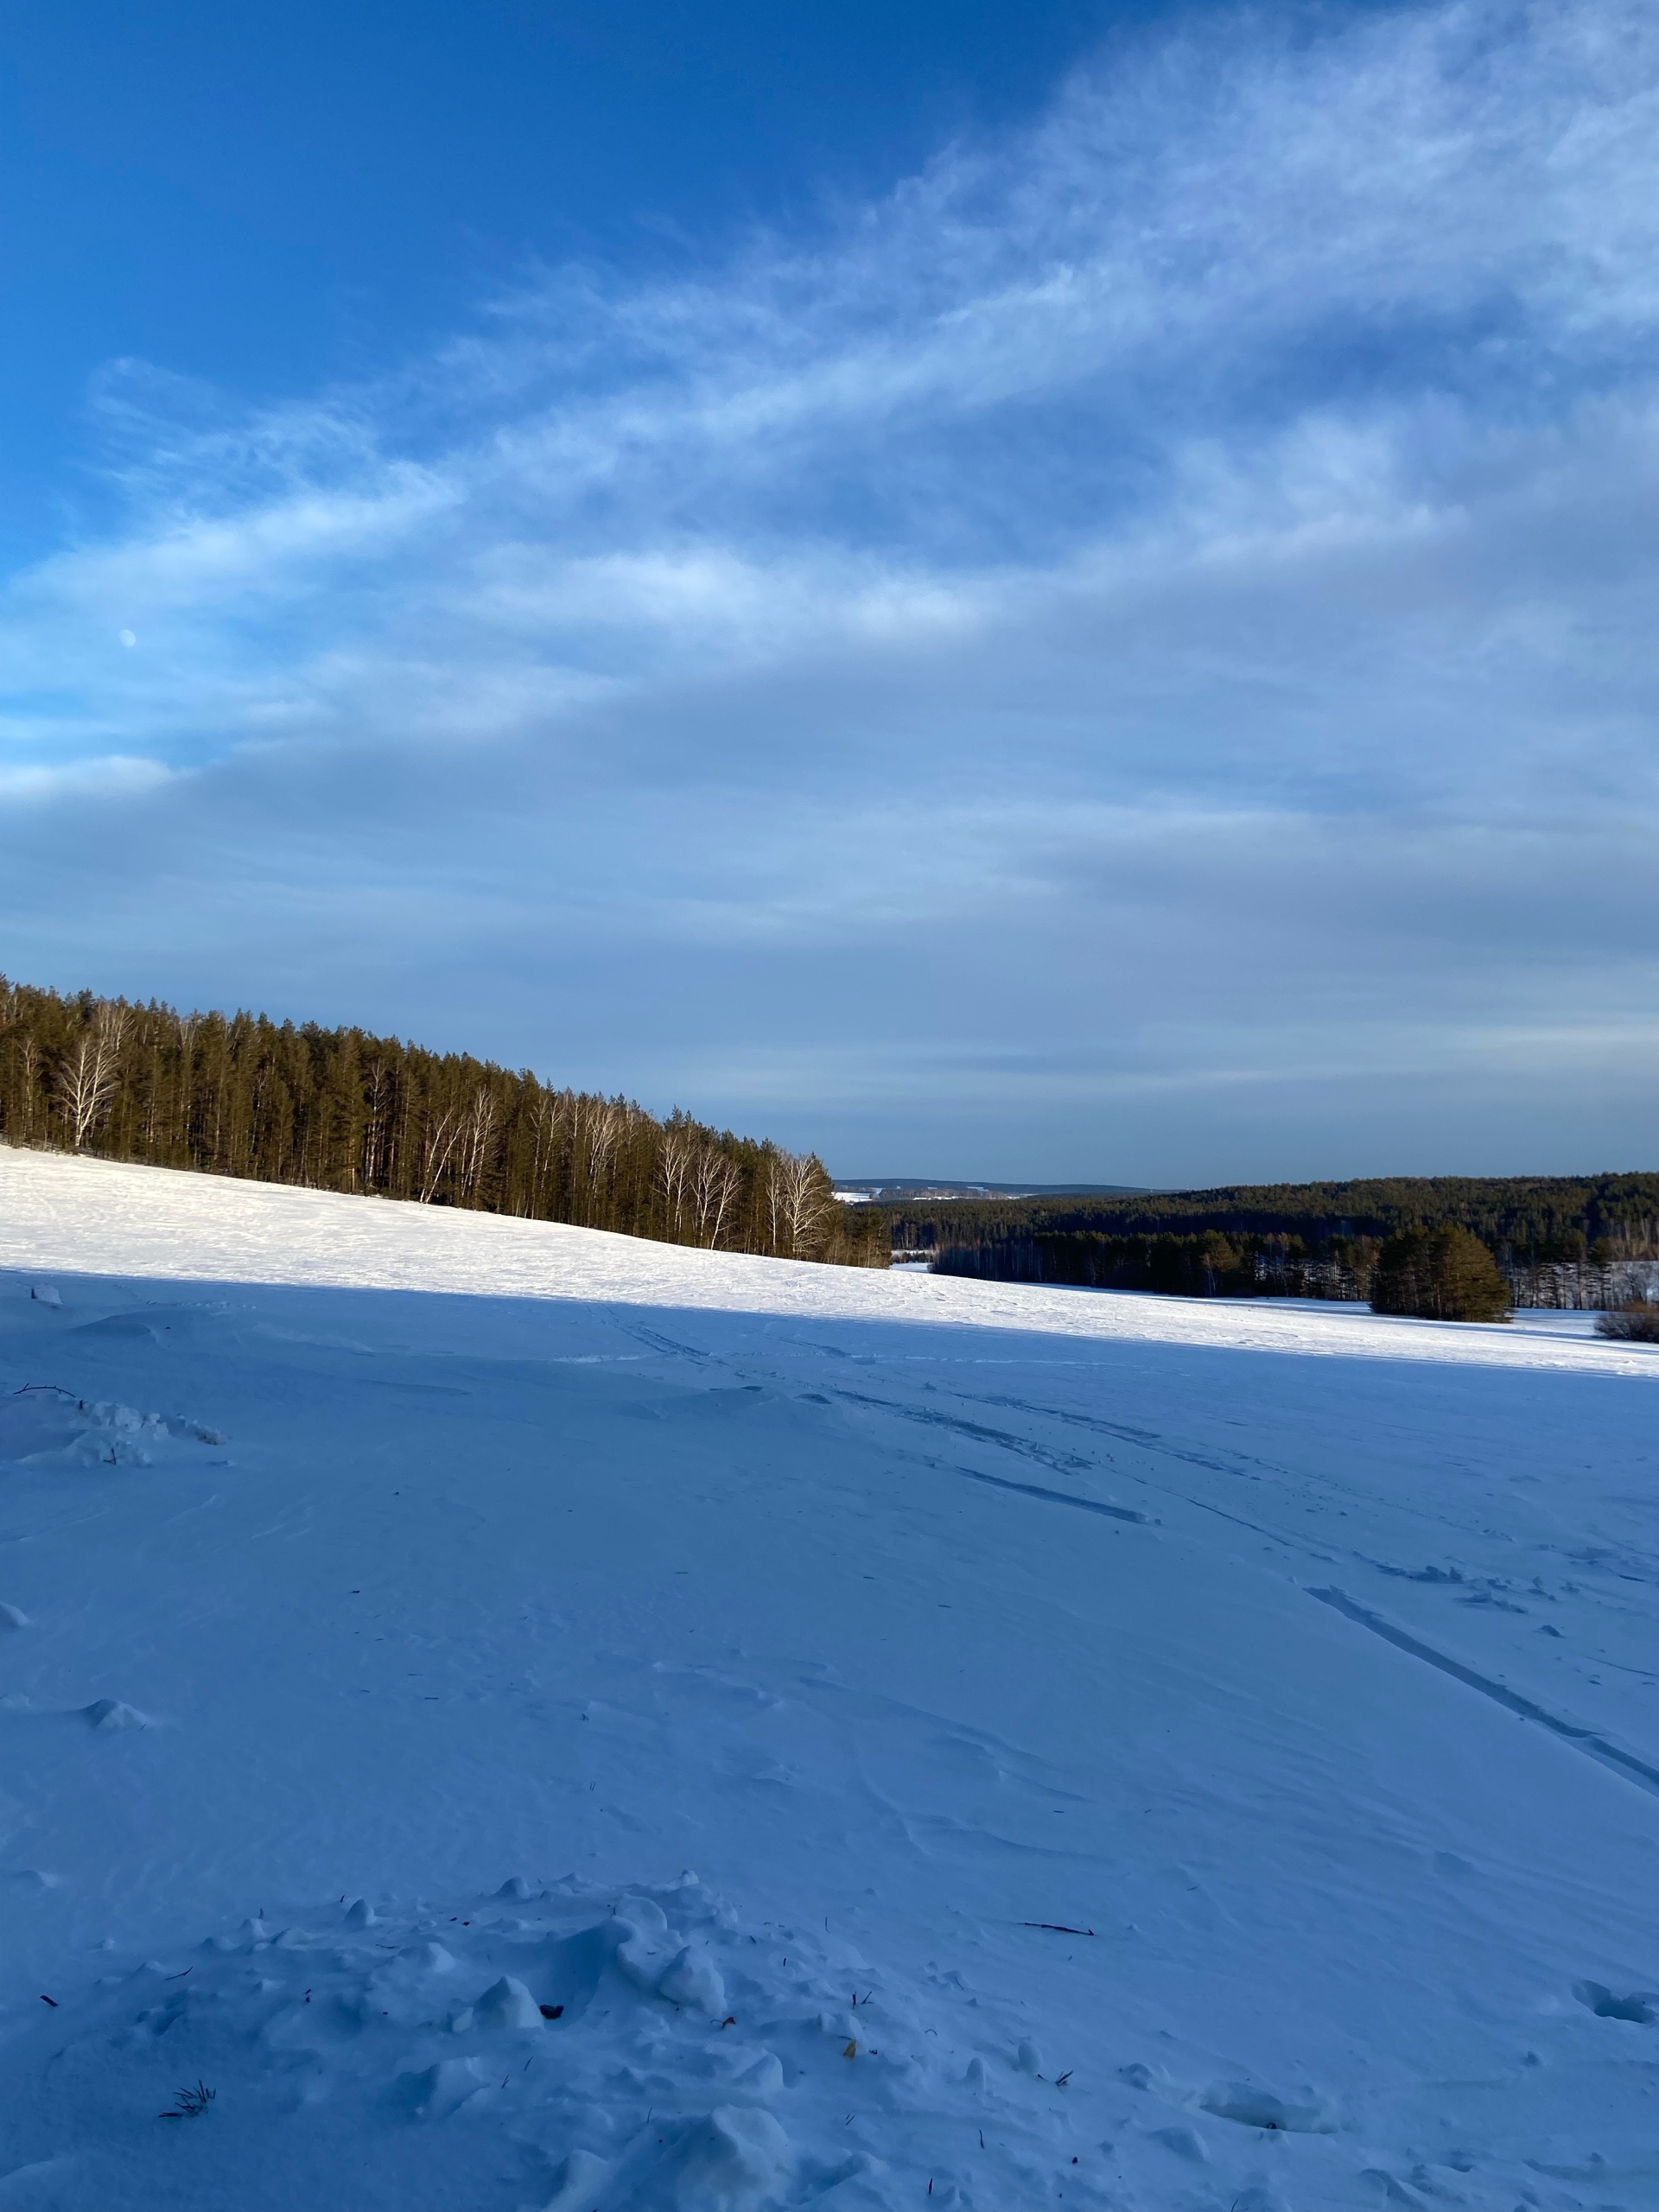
x=109, y=776
x=1204, y=544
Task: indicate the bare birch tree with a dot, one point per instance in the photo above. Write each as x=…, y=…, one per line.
x=443, y=1135
x=674, y=1161
x=799, y=1201
x=88, y=1079
x=775, y=1181
x=377, y=1098
x=546, y=1116
x=29, y=1063
x=598, y=1130
x=715, y=1182
x=478, y=1127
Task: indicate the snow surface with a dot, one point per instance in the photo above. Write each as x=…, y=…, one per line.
x=1132, y=1752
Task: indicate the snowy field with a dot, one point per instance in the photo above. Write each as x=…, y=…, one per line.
x=529, y=1718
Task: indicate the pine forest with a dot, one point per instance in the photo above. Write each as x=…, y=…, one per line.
x=1559, y=1241
x=338, y=1109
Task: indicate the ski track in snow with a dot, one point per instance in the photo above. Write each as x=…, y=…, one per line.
x=1585, y=1739
x=1137, y=1753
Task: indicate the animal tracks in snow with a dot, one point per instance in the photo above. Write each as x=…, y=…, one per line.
x=1245, y=2104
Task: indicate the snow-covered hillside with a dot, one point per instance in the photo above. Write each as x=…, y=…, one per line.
x=528, y=1718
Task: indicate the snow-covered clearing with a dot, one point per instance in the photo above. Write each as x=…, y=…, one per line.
x=1131, y=1753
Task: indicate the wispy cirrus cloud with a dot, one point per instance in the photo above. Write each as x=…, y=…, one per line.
x=1201, y=545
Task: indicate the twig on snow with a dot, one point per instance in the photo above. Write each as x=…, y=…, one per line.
x=190, y=2104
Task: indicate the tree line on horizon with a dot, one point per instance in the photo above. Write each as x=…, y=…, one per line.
x=1580, y=1241
x=340, y=1110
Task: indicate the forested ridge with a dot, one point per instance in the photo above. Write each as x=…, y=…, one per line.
x=339, y=1110
x=1560, y=1240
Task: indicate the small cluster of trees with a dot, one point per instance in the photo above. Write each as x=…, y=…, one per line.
x=1439, y=1275
x=339, y=1110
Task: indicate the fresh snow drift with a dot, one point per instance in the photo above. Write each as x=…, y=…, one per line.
x=1132, y=1753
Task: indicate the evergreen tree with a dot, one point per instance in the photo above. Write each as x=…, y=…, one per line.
x=1439, y=1275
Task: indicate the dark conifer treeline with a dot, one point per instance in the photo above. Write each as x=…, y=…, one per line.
x=1559, y=1240
x=1208, y=1265
x=338, y=1109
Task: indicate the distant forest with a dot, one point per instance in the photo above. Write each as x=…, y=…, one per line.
x=1577, y=1240
x=338, y=1109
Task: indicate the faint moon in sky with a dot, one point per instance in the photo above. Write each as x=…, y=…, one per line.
x=127, y=636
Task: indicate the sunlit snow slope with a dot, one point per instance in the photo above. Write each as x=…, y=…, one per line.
x=1131, y=1753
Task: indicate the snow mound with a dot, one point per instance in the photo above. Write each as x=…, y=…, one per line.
x=467, y=2055
x=109, y=1716
x=508, y=2004
x=42, y=1425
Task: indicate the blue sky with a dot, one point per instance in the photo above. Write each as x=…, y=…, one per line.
x=1032, y=591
